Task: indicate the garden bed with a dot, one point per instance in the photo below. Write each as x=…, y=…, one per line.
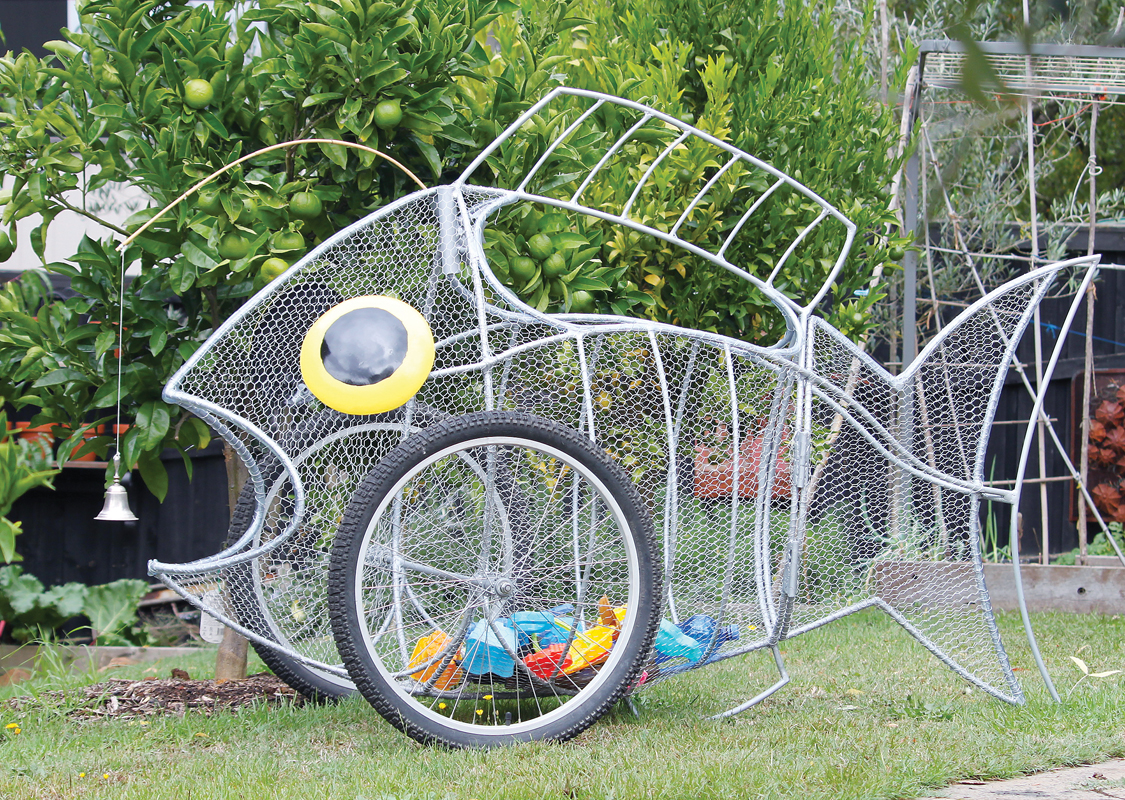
x=83, y=658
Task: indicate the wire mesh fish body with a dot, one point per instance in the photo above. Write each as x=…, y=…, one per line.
x=789, y=483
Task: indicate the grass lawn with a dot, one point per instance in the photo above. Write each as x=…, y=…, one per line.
x=869, y=714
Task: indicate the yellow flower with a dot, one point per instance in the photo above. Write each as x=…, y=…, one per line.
x=11, y=725
x=17, y=730
x=488, y=697
x=441, y=705
x=105, y=776
x=480, y=711
x=81, y=774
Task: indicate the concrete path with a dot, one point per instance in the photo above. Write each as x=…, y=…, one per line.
x=1095, y=782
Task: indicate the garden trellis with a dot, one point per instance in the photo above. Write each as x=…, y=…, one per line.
x=975, y=172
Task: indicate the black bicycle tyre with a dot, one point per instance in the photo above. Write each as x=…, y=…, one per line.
x=632, y=523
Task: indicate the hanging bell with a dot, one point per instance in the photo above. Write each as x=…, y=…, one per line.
x=116, y=507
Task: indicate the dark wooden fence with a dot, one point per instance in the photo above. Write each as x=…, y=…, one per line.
x=1063, y=401
x=63, y=542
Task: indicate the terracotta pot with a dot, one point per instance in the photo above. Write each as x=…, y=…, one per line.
x=715, y=480
x=90, y=434
x=41, y=435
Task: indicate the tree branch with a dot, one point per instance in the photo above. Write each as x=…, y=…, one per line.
x=62, y=202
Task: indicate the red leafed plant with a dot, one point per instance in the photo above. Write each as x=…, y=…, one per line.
x=1121, y=393
x=1110, y=413
x=1115, y=440
x=1099, y=457
x=1097, y=431
x=1108, y=498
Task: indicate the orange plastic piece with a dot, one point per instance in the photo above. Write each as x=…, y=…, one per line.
x=426, y=650
x=605, y=612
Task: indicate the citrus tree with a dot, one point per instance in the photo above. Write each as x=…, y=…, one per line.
x=158, y=95
x=778, y=80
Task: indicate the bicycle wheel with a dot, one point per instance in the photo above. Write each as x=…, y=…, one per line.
x=282, y=596
x=493, y=581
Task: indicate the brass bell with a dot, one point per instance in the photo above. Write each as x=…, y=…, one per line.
x=116, y=507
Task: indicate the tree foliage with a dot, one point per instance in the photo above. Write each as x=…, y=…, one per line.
x=157, y=94
x=120, y=103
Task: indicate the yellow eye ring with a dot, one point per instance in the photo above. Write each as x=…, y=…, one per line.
x=367, y=355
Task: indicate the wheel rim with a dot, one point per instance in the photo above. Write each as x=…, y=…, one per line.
x=455, y=581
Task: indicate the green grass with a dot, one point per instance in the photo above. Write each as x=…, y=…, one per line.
x=868, y=714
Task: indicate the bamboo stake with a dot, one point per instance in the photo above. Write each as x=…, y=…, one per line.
x=1088, y=368
x=1041, y=432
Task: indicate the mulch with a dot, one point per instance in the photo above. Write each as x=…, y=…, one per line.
x=127, y=699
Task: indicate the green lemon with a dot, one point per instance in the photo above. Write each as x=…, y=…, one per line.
x=898, y=253
x=234, y=246
x=272, y=268
x=523, y=268
x=554, y=265
x=388, y=114
x=305, y=205
x=540, y=246
x=208, y=201
x=582, y=302
x=198, y=93
x=6, y=247
x=249, y=213
x=287, y=241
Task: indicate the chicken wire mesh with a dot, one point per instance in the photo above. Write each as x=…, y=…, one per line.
x=787, y=484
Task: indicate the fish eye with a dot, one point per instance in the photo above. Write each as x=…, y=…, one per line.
x=367, y=355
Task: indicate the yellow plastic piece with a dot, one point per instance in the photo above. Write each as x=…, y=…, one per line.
x=391, y=392
x=427, y=648
x=590, y=648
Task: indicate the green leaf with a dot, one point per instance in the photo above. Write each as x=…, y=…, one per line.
x=322, y=97
x=198, y=257
x=8, y=532
x=330, y=33
x=112, y=607
x=214, y=123
x=195, y=431
x=105, y=340
x=58, y=376
x=430, y=153
x=18, y=592
x=154, y=474
x=153, y=418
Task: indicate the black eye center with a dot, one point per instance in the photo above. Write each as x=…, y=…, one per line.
x=364, y=346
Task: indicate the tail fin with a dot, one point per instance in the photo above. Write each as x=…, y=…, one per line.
x=894, y=501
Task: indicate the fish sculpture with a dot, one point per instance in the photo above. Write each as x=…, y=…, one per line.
x=495, y=500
